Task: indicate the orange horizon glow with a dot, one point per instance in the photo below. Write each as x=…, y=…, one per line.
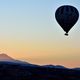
x=30, y=32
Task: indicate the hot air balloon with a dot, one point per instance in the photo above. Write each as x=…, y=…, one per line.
x=66, y=16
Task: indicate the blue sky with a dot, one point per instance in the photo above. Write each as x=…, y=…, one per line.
x=32, y=16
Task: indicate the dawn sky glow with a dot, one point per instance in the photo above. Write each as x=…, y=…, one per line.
x=29, y=31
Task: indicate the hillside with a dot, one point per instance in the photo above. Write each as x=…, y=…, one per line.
x=25, y=71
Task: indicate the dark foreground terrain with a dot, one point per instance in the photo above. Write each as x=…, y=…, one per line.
x=24, y=71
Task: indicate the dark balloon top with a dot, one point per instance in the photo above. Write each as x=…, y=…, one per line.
x=66, y=16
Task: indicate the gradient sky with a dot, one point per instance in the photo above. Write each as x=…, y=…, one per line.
x=29, y=31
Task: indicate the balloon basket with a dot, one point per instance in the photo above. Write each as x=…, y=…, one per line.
x=66, y=34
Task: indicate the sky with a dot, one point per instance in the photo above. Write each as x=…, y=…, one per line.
x=30, y=32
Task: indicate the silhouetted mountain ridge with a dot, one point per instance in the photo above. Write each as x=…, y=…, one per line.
x=54, y=66
x=5, y=57
x=12, y=69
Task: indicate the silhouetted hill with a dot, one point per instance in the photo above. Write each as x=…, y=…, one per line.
x=12, y=70
x=5, y=57
x=21, y=71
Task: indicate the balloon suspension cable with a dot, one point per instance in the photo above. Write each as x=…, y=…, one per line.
x=66, y=34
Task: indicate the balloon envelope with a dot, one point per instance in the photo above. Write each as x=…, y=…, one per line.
x=66, y=16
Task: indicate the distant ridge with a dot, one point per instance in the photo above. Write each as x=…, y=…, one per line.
x=18, y=70
x=5, y=57
x=12, y=69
